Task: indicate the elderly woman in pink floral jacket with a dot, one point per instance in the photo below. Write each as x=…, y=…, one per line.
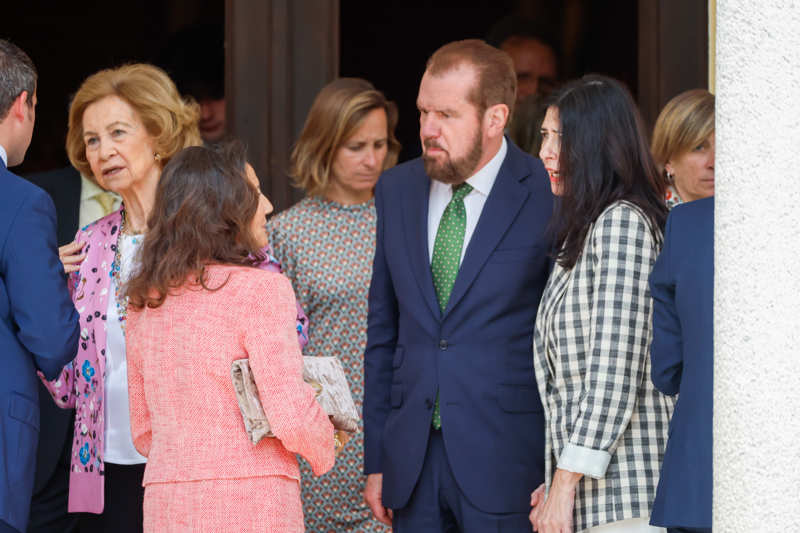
x=124, y=125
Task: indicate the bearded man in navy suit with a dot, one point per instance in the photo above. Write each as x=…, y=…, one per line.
x=38, y=323
x=454, y=427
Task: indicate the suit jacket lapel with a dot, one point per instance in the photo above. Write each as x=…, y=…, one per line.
x=499, y=211
x=415, y=213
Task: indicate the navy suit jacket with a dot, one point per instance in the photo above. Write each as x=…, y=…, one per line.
x=38, y=331
x=477, y=354
x=55, y=436
x=682, y=285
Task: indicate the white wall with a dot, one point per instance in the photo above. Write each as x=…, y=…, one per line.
x=757, y=299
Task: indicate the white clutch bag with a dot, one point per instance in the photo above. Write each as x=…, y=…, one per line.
x=324, y=374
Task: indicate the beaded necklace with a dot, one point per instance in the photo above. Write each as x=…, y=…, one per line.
x=121, y=299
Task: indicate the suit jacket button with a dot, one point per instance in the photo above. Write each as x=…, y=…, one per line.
x=443, y=344
x=428, y=403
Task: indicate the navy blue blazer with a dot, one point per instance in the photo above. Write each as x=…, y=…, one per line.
x=477, y=354
x=682, y=285
x=55, y=436
x=38, y=331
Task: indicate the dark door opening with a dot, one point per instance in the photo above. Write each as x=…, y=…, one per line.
x=389, y=46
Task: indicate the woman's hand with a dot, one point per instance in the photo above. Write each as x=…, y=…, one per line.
x=71, y=256
x=537, y=498
x=554, y=515
x=340, y=438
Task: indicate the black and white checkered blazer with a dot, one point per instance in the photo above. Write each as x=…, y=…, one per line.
x=604, y=417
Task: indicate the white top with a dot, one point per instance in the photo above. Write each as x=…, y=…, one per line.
x=119, y=447
x=3, y=155
x=441, y=194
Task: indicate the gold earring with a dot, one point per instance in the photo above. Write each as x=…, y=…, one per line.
x=157, y=156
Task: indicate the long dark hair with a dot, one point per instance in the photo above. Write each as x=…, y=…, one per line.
x=202, y=213
x=604, y=158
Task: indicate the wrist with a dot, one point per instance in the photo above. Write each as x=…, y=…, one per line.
x=564, y=480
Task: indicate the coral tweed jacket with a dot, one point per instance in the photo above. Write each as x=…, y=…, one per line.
x=184, y=414
x=81, y=384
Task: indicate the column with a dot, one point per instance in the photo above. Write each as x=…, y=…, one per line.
x=757, y=268
x=279, y=54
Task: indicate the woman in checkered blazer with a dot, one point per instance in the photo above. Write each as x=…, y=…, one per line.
x=606, y=424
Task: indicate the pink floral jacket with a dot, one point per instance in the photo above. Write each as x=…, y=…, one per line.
x=81, y=383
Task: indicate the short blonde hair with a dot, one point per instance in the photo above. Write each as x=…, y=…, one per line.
x=685, y=122
x=168, y=119
x=337, y=111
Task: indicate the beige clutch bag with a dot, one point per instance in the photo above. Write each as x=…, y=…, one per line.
x=324, y=374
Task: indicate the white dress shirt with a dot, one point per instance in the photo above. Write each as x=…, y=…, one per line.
x=3, y=155
x=441, y=194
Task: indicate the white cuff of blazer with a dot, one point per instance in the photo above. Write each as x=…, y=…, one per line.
x=586, y=461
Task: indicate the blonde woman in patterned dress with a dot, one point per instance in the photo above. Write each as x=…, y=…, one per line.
x=325, y=244
x=684, y=146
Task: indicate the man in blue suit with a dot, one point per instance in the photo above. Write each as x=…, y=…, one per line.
x=454, y=428
x=38, y=323
x=682, y=353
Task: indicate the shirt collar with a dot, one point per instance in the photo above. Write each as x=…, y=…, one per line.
x=483, y=180
x=89, y=189
x=3, y=155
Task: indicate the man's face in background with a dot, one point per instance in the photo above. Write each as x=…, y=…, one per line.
x=534, y=63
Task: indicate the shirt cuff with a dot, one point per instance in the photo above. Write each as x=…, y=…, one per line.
x=586, y=461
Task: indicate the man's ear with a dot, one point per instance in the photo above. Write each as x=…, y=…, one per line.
x=19, y=109
x=495, y=120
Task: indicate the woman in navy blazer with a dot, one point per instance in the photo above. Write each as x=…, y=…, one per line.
x=682, y=285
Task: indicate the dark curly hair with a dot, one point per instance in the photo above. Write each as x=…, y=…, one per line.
x=202, y=213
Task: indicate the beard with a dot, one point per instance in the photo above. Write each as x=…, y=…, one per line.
x=453, y=171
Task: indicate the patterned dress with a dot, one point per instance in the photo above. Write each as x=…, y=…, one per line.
x=327, y=249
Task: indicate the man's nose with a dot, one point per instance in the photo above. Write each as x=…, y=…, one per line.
x=428, y=127
x=205, y=111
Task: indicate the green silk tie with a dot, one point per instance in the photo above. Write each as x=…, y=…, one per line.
x=447, y=257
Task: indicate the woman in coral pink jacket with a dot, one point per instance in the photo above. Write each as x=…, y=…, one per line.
x=196, y=305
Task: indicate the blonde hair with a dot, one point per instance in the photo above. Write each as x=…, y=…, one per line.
x=168, y=119
x=685, y=122
x=337, y=111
